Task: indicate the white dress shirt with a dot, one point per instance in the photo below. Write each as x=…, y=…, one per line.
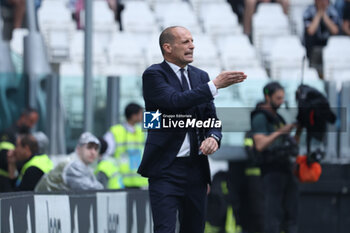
x=185, y=147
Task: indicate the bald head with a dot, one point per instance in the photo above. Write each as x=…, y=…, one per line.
x=167, y=36
x=177, y=46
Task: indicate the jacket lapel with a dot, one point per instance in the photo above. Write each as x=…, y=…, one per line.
x=193, y=77
x=172, y=78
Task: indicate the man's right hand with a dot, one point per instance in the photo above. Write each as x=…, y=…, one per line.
x=227, y=78
x=287, y=128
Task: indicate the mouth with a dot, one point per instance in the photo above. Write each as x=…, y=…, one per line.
x=189, y=54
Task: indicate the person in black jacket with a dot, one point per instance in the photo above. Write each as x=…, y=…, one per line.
x=270, y=135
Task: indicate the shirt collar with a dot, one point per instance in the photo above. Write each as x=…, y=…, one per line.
x=129, y=127
x=176, y=68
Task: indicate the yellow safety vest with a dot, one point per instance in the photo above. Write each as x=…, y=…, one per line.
x=110, y=168
x=42, y=162
x=5, y=146
x=128, y=153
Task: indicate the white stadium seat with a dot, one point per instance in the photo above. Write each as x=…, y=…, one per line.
x=237, y=53
x=205, y=52
x=268, y=24
x=287, y=53
x=219, y=19
x=57, y=27
x=336, y=56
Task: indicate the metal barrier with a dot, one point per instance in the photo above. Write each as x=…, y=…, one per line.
x=105, y=211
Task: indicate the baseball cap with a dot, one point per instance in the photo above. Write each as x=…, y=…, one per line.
x=88, y=137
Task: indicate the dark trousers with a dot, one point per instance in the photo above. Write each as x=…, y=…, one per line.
x=281, y=202
x=179, y=192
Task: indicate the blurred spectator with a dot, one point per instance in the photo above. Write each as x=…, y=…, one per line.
x=339, y=6
x=13, y=12
x=346, y=18
x=18, y=7
x=249, y=9
x=237, y=7
x=107, y=171
x=5, y=182
x=74, y=173
x=125, y=144
x=117, y=7
x=35, y=165
x=27, y=120
x=77, y=6
x=321, y=20
x=23, y=125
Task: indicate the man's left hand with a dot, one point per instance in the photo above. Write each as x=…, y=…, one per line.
x=209, y=146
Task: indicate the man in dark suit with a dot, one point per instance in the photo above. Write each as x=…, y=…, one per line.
x=175, y=160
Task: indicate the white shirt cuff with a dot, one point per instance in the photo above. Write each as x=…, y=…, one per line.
x=213, y=89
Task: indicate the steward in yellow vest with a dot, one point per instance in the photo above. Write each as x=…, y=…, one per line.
x=35, y=164
x=125, y=146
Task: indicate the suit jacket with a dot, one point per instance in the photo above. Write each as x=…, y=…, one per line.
x=162, y=90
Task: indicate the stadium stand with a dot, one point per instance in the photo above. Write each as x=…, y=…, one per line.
x=269, y=23
x=295, y=15
x=237, y=53
x=286, y=54
x=336, y=56
x=57, y=27
x=223, y=24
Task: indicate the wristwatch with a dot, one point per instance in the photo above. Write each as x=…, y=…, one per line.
x=215, y=137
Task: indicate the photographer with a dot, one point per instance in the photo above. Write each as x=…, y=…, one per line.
x=275, y=147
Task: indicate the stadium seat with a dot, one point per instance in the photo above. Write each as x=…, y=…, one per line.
x=219, y=19
x=57, y=27
x=137, y=17
x=268, y=24
x=153, y=52
x=336, y=56
x=16, y=43
x=196, y=4
x=287, y=53
x=104, y=23
x=181, y=13
x=125, y=50
x=295, y=14
x=341, y=76
x=205, y=52
x=237, y=53
x=100, y=54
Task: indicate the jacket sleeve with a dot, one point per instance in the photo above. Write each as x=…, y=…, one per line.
x=159, y=93
x=78, y=178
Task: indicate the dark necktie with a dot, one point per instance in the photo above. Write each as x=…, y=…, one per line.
x=194, y=133
x=184, y=82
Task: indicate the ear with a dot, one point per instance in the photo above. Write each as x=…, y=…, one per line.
x=167, y=47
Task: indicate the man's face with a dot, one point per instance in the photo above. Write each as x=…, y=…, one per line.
x=88, y=152
x=30, y=120
x=321, y=4
x=139, y=116
x=22, y=152
x=180, y=51
x=277, y=99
